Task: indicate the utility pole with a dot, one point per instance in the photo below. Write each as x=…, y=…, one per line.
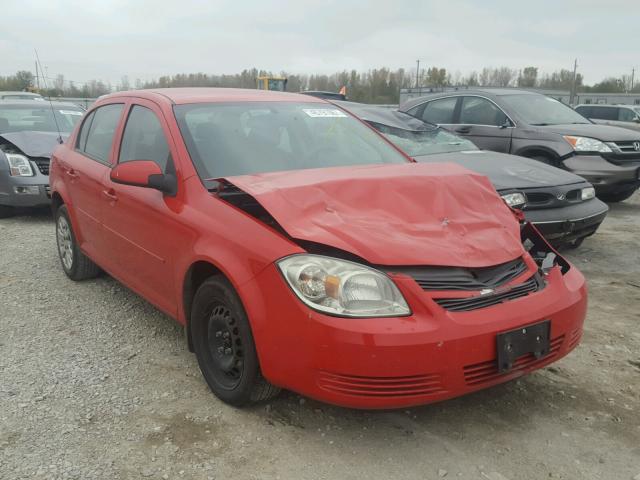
x=573, y=85
x=633, y=71
x=417, y=72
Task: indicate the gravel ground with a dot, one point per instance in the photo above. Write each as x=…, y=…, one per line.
x=96, y=383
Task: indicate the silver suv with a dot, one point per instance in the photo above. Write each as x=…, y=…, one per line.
x=626, y=116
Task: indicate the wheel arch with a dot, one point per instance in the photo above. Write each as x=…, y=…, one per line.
x=195, y=275
x=537, y=150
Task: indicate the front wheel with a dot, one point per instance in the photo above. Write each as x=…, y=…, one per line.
x=224, y=345
x=75, y=264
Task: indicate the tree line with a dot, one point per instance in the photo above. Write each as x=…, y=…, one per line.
x=378, y=85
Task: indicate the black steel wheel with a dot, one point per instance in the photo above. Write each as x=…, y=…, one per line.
x=224, y=345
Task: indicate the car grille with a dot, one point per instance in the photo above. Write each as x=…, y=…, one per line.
x=43, y=165
x=627, y=147
x=487, y=300
x=469, y=279
x=486, y=372
x=408, y=386
x=623, y=152
x=557, y=199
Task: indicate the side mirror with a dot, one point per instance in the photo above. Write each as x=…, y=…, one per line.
x=144, y=173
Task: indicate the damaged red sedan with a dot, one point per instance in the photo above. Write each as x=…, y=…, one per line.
x=301, y=250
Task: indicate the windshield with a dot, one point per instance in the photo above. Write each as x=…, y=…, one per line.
x=38, y=118
x=426, y=142
x=227, y=139
x=542, y=110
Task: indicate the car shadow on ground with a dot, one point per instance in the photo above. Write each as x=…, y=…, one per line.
x=30, y=215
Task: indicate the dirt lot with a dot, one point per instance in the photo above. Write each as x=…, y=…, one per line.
x=96, y=383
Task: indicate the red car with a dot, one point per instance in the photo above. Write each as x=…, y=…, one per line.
x=301, y=250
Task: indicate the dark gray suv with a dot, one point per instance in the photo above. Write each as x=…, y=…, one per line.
x=539, y=127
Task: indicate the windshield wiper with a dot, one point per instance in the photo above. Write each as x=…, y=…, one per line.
x=540, y=124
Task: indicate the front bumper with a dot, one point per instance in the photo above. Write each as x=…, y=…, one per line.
x=24, y=191
x=603, y=175
x=432, y=355
x=565, y=225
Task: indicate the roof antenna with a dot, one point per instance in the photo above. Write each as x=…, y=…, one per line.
x=53, y=112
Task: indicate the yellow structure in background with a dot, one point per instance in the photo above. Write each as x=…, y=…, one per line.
x=278, y=84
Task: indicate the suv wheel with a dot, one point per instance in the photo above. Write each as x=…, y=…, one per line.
x=224, y=345
x=75, y=264
x=617, y=196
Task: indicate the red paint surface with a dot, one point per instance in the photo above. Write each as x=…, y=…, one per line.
x=388, y=215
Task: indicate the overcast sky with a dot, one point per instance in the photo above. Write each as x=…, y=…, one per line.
x=147, y=38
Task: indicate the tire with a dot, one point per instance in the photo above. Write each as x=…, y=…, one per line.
x=6, y=212
x=75, y=264
x=224, y=345
x=618, y=196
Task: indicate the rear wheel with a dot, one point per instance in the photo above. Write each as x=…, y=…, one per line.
x=617, y=196
x=75, y=264
x=224, y=345
x=6, y=212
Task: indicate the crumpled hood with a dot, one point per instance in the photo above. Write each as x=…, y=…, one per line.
x=407, y=214
x=604, y=133
x=507, y=171
x=34, y=144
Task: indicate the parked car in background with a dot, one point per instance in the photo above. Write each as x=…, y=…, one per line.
x=303, y=250
x=560, y=204
x=29, y=131
x=325, y=95
x=18, y=95
x=625, y=116
x=539, y=127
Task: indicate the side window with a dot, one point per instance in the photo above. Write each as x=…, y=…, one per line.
x=626, y=115
x=84, y=131
x=606, y=113
x=143, y=138
x=480, y=111
x=101, y=131
x=440, y=111
x=585, y=111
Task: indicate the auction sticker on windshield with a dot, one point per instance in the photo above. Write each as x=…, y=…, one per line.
x=323, y=112
x=70, y=112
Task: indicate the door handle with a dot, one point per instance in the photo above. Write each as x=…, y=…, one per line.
x=110, y=194
x=72, y=173
x=466, y=129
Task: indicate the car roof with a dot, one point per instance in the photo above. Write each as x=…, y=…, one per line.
x=180, y=96
x=485, y=92
x=31, y=103
x=600, y=105
x=384, y=116
x=18, y=92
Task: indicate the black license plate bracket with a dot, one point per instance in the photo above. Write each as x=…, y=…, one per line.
x=511, y=345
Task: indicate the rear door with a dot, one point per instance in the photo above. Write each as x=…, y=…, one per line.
x=85, y=168
x=484, y=123
x=142, y=227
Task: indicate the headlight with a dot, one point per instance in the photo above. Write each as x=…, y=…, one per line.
x=342, y=288
x=586, y=144
x=19, y=165
x=516, y=199
x=587, y=193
